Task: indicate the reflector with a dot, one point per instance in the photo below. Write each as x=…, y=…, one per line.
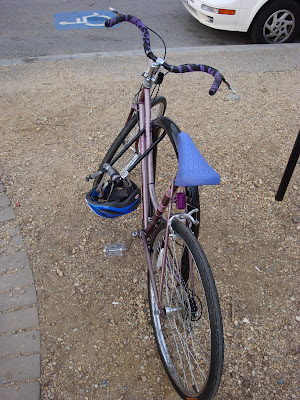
x=227, y=12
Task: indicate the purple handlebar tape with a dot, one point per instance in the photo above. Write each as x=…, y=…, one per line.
x=135, y=21
x=177, y=69
x=202, y=68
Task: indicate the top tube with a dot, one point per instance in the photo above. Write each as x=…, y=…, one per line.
x=172, y=68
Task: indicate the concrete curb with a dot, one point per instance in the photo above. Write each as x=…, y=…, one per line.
x=19, y=324
x=129, y=53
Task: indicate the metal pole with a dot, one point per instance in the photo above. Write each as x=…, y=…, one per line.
x=289, y=170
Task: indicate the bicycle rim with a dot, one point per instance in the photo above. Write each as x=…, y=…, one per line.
x=189, y=335
x=165, y=161
x=158, y=107
x=131, y=129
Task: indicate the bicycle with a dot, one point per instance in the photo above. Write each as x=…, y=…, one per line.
x=184, y=304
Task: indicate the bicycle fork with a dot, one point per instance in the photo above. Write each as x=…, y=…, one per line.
x=167, y=201
x=115, y=250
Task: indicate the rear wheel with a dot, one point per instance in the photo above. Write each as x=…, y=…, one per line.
x=131, y=129
x=189, y=331
x=277, y=22
x=165, y=160
x=164, y=156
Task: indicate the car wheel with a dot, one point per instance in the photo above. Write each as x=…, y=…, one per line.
x=277, y=22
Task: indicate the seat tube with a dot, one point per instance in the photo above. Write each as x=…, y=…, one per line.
x=144, y=162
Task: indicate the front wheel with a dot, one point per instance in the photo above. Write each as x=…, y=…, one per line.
x=277, y=22
x=189, y=331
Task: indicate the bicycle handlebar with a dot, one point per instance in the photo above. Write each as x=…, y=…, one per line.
x=172, y=68
x=135, y=21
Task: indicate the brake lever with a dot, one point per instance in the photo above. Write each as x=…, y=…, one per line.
x=228, y=85
x=114, y=11
x=233, y=94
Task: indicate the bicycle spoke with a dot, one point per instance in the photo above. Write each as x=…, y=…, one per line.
x=187, y=353
x=187, y=332
x=183, y=334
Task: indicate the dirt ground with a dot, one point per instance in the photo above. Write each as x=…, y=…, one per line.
x=57, y=120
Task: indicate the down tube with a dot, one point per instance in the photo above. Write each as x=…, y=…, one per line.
x=151, y=182
x=144, y=163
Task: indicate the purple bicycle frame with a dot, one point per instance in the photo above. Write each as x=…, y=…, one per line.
x=148, y=192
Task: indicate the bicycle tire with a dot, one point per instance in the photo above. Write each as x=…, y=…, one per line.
x=191, y=321
x=128, y=132
x=161, y=125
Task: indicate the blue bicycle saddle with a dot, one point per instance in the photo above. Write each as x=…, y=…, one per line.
x=193, y=169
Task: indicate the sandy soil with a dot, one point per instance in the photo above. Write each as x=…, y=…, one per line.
x=57, y=120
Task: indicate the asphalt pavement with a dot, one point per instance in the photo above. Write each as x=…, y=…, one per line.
x=27, y=28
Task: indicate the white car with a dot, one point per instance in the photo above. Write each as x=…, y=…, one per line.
x=266, y=21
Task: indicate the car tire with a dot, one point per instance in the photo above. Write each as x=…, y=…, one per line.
x=277, y=22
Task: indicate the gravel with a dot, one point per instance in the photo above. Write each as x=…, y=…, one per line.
x=57, y=120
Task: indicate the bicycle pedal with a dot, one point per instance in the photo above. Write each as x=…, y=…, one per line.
x=114, y=250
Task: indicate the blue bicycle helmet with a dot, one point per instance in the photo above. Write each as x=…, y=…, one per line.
x=116, y=200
